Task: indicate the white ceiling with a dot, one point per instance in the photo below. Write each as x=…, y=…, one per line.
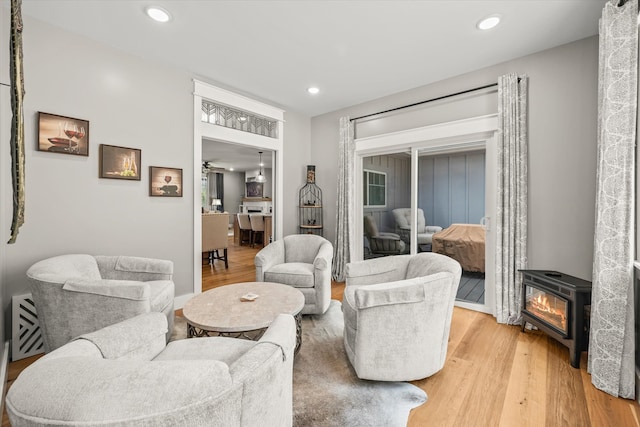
x=238, y=157
x=354, y=51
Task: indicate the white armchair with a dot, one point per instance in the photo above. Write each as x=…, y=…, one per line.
x=424, y=232
x=397, y=315
x=302, y=261
x=77, y=294
x=126, y=375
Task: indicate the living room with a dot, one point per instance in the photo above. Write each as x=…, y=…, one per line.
x=143, y=102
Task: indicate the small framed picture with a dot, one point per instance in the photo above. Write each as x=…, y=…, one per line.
x=165, y=182
x=254, y=189
x=65, y=135
x=120, y=162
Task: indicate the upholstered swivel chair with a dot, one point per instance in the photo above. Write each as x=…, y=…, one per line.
x=424, y=232
x=126, y=375
x=77, y=294
x=244, y=223
x=257, y=228
x=382, y=243
x=397, y=315
x=215, y=230
x=302, y=261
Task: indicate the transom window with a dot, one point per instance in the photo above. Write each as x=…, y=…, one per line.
x=375, y=189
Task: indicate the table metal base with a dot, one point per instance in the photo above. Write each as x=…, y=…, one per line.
x=253, y=335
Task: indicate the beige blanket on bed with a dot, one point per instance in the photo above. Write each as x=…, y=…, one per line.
x=462, y=242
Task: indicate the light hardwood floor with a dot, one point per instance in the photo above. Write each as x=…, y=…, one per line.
x=494, y=374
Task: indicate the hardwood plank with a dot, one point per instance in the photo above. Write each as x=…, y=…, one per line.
x=525, y=401
x=566, y=402
x=491, y=348
x=603, y=407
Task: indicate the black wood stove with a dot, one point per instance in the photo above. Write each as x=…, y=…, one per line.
x=559, y=305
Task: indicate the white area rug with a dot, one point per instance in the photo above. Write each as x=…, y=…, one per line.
x=326, y=391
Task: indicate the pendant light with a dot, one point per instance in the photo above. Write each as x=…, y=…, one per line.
x=260, y=177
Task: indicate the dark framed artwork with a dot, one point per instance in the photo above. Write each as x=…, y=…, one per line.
x=120, y=162
x=65, y=135
x=165, y=182
x=254, y=189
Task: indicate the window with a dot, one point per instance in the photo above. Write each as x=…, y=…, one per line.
x=375, y=189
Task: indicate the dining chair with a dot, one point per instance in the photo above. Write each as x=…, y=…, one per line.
x=244, y=223
x=257, y=228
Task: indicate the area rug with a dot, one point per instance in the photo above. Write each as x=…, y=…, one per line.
x=326, y=391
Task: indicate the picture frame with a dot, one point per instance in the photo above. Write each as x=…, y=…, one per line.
x=165, y=182
x=255, y=189
x=63, y=135
x=120, y=162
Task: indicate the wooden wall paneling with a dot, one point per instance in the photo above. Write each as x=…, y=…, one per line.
x=458, y=201
x=441, y=192
x=476, y=187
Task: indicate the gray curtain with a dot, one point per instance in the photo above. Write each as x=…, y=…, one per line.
x=343, y=249
x=511, y=213
x=611, y=339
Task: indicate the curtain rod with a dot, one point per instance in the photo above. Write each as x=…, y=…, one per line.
x=424, y=102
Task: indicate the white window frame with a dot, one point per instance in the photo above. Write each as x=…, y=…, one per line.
x=366, y=181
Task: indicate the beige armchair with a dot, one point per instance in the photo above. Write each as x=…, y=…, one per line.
x=424, y=232
x=397, y=315
x=215, y=230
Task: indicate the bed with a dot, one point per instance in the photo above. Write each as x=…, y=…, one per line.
x=462, y=242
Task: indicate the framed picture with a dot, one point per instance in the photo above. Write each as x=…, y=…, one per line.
x=165, y=182
x=120, y=162
x=254, y=189
x=66, y=135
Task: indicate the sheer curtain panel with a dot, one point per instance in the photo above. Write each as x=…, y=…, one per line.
x=611, y=338
x=511, y=212
x=343, y=250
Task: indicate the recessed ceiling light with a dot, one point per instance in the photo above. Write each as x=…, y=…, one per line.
x=489, y=22
x=313, y=90
x=231, y=169
x=158, y=14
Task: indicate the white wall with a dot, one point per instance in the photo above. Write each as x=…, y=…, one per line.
x=129, y=102
x=297, y=155
x=562, y=146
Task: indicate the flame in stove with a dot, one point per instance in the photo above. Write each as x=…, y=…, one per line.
x=540, y=305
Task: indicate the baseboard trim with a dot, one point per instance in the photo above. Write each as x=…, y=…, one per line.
x=181, y=300
x=4, y=373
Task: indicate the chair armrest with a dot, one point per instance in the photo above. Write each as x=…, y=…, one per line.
x=134, y=268
x=281, y=334
x=125, y=289
x=142, y=337
x=324, y=257
x=270, y=255
x=431, y=229
x=387, y=236
x=379, y=270
x=392, y=293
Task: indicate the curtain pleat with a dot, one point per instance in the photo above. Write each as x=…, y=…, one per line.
x=343, y=249
x=611, y=338
x=511, y=213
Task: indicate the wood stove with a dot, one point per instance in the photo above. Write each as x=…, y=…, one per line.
x=559, y=305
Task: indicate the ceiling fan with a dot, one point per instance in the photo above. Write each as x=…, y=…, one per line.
x=207, y=167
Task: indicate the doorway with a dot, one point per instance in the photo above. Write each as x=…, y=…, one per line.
x=256, y=113
x=472, y=136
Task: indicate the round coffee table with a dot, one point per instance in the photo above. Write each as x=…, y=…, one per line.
x=220, y=311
